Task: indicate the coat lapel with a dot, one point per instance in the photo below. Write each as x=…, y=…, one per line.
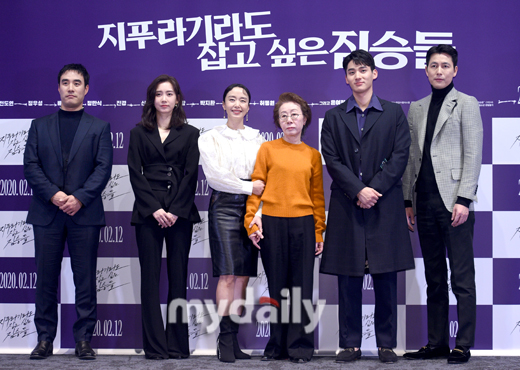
x=155, y=139
x=421, y=125
x=174, y=134
x=372, y=118
x=450, y=102
x=350, y=121
x=83, y=128
x=54, y=134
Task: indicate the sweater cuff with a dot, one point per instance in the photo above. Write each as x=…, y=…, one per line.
x=252, y=229
x=463, y=201
x=408, y=204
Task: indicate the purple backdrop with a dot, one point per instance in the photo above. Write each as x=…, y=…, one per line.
x=271, y=49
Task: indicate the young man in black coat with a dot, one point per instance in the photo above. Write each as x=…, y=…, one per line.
x=365, y=143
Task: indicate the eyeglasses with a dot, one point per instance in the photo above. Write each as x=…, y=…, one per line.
x=285, y=117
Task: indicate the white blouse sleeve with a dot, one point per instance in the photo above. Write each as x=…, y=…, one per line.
x=219, y=178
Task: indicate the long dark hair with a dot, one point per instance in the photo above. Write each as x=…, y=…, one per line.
x=149, y=118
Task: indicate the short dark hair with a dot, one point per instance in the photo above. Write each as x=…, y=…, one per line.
x=77, y=68
x=232, y=86
x=289, y=97
x=360, y=57
x=149, y=116
x=443, y=49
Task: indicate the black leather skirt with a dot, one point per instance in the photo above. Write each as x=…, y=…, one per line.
x=232, y=253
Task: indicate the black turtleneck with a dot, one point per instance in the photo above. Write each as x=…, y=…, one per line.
x=69, y=122
x=426, y=182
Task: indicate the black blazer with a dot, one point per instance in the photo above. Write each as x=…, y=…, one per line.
x=87, y=173
x=164, y=175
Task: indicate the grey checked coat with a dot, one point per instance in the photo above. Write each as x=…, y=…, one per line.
x=456, y=148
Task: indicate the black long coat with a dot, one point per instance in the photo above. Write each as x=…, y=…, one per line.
x=381, y=156
x=164, y=175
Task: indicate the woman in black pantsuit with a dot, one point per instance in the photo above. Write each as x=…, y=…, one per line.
x=163, y=161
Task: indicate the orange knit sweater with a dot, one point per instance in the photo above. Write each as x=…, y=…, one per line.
x=293, y=177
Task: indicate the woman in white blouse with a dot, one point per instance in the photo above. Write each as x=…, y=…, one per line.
x=228, y=155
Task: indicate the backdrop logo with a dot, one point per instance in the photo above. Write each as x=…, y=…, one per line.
x=368, y=326
x=368, y=283
x=16, y=233
x=19, y=325
x=454, y=328
x=513, y=101
x=263, y=329
x=231, y=41
x=516, y=326
x=517, y=229
x=14, y=142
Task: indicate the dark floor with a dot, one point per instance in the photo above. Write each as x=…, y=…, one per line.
x=126, y=362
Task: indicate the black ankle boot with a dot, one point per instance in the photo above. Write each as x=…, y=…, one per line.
x=225, y=341
x=239, y=355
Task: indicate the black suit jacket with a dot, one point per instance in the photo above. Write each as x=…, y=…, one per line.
x=164, y=175
x=381, y=156
x=85, y=176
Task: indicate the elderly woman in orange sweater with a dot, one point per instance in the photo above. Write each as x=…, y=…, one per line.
x=293, y=221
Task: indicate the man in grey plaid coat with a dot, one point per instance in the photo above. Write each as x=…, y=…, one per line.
x=443, y=169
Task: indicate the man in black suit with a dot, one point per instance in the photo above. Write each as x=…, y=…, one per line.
x=67, y=163
x=365, y=144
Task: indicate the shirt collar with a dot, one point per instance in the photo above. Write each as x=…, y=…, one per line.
x=374, y=103
x=247, y=133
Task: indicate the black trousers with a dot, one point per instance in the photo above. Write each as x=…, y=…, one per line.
x=158, y=341
x=288, y=258
x=437, y=236
x=350, y=290
x=49, y=244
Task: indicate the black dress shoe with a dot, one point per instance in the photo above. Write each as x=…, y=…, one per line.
x=428, y=352
x=459, y=355
x=387, y=355
x=178, y=357
x=42, y=350
x=281, y=357
x=154, y=357
x=298, y=360
x=348, y=355
x=84, y=351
